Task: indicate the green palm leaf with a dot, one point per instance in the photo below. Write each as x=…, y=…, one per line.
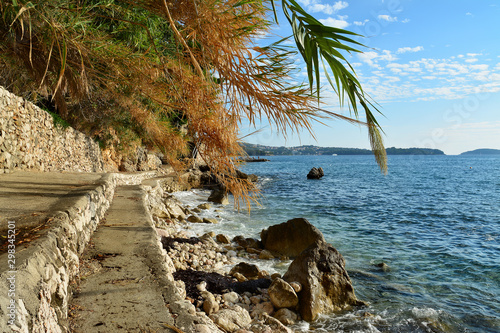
x=317, y=42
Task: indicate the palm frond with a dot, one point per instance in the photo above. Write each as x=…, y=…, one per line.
x=317, y=44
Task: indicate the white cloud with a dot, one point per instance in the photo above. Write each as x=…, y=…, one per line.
x=427, y=79
x=469, y=14
x=340, y=23
x=360, y=23
x=388, y=18
x=372, y=58
x=405, y=21
x=482, y=67
x=409, y=49
x=316, y=6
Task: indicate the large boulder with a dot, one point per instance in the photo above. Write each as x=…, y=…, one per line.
x=315, y=173
x=326, y=286
x=290, y=238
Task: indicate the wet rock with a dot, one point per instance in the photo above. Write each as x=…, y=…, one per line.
x=223, y=239
x=219, y=196
x=282, y=294
x=232, y=319
x=265, y=255
x=194, y=219
x=204, y=206
x=210, y=220
x=315, y=173
x=247, y=270
x=248, y=242
x=290, y=238
x=326, y=286
x=383, y=266
x=250, y=177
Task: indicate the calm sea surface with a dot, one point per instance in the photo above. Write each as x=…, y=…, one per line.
x=434, y=220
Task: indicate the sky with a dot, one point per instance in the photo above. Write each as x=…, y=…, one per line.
x=432, y=66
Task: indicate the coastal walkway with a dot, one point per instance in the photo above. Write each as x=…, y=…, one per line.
x=86, y=256
x=120, y=293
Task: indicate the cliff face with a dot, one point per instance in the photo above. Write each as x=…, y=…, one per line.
x=29, y=140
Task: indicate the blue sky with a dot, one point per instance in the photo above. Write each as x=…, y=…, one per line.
x=433, y=67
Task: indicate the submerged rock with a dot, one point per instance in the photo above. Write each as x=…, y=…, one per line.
x=290, y=238
x=326, y=286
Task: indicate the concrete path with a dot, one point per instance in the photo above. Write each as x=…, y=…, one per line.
x=118, y=292
x=29, y=197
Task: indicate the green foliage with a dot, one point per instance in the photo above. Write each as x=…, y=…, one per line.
x=58, y=121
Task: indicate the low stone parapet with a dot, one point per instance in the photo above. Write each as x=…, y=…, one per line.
x=35, y=277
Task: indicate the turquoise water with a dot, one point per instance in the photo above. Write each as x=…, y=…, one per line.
x=434, y=220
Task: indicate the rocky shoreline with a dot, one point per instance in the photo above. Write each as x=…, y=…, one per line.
x=239, y=296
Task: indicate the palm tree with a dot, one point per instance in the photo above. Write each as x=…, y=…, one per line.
x=169, y=74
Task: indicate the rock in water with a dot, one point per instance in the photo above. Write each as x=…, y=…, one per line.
x=326, y=286
x=315, y=173
x=249, y=271
x=219, y=196
x=290, y=238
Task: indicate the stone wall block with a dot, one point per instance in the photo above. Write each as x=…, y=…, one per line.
x=25, y=126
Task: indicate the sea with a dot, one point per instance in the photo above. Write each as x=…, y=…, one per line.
x=434, y=221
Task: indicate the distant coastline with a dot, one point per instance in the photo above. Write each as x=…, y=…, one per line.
x=261, y=150
x=483, y=151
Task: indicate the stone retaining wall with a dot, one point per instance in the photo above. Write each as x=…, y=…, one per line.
x=45, y=269
x=29, y=140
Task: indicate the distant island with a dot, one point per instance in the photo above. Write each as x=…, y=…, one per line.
x=483, y=151
x=261, y=150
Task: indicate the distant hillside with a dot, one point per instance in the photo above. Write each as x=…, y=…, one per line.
x=483, y=151
x=260, y=150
